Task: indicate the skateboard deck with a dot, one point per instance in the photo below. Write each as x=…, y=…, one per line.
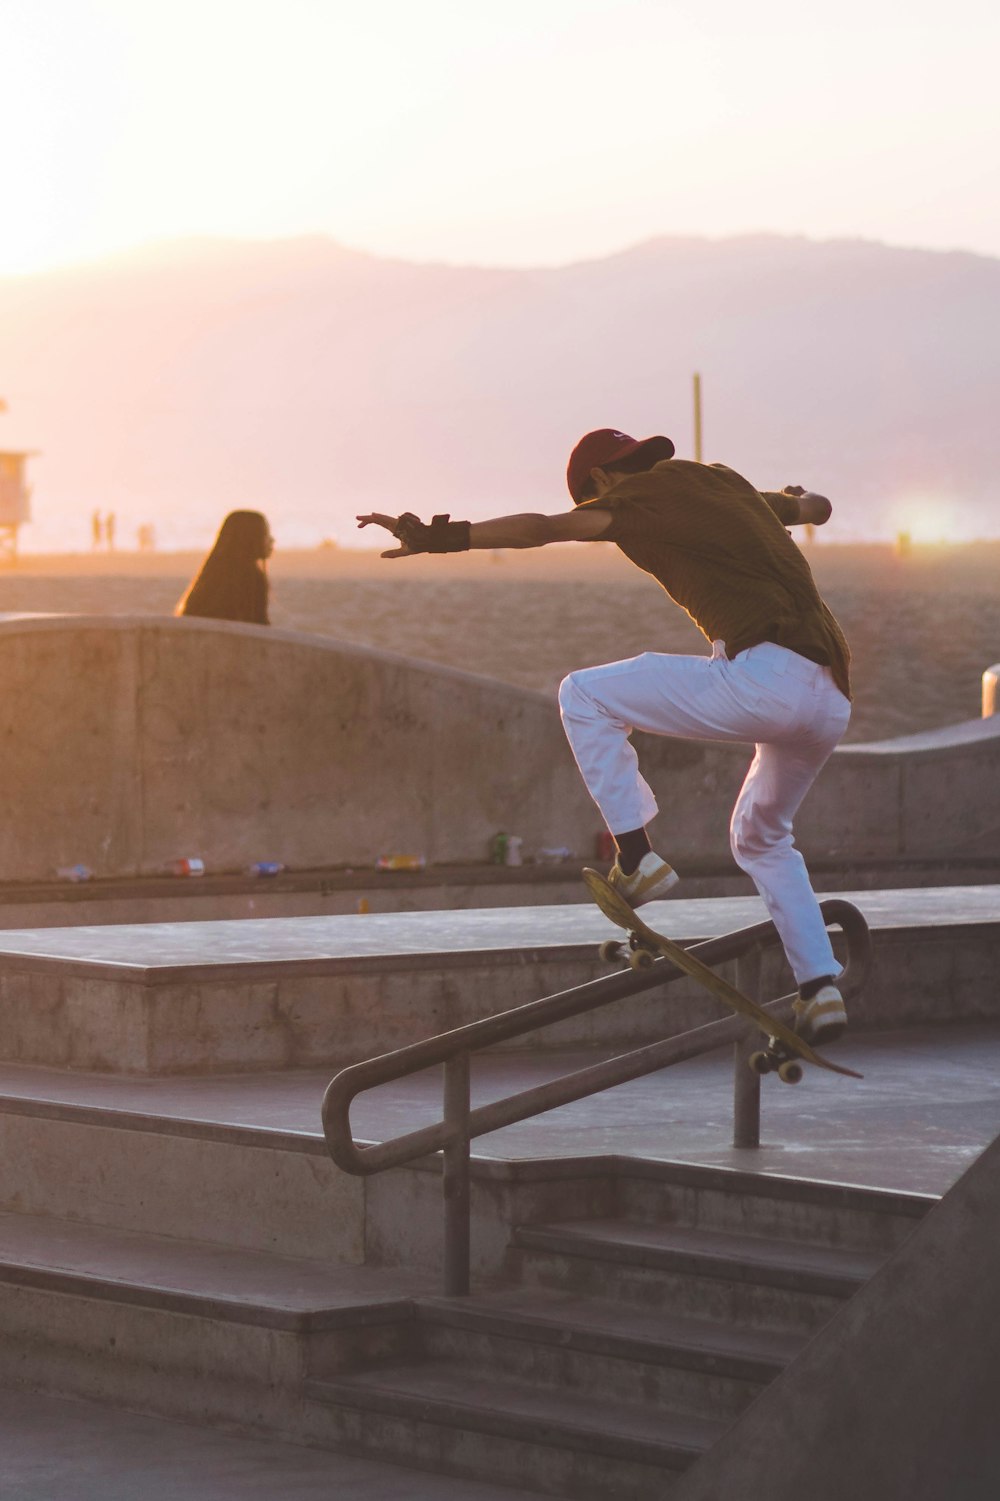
x=783, y=1044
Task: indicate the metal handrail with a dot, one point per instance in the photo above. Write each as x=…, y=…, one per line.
x=460, y=1123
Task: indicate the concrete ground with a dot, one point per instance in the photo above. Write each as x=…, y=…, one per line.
x=52, y=1449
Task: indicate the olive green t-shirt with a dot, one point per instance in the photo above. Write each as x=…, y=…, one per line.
x=720, y=550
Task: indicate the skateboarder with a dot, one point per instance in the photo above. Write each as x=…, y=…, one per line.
x=777, y=677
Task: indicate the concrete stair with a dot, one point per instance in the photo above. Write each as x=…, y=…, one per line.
x=565, y=1342
x=622, y=1356
x=626, y=1345
x=463, y=1422
x=718, y=1276
x=180, y=1260
x=180, y=1328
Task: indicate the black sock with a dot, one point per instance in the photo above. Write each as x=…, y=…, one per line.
x=809, y=987
x=631, y=848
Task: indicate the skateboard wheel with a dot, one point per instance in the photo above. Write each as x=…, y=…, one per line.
x=790, y=1072
x=610, y=951
x=760, y=1063
x=641, y=959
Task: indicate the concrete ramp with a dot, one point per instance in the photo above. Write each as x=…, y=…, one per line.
x=131, y=742
x=898, y=1395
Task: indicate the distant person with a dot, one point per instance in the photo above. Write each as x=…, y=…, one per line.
x=777, y=677
x=96, y=529
x=109, y=530
x=232, y=583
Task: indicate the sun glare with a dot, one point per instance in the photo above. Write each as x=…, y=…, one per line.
x=927, y=519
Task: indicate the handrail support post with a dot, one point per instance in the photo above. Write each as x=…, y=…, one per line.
x=746, y=1083
x=455, y=1181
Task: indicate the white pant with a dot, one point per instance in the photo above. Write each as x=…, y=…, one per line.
x=789, y=707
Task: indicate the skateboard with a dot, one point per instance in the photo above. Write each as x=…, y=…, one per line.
x=785, y=1051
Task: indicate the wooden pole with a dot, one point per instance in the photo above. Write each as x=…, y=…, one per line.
x=697, y=417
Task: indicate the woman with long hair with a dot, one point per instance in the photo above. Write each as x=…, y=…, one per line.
x=232, y=583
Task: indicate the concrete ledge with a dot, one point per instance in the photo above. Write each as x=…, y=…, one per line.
x=165, y=952
x=308, y=991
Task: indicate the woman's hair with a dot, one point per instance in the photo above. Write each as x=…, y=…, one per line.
x=232, y=582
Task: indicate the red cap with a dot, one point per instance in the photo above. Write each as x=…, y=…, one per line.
x=600, y=449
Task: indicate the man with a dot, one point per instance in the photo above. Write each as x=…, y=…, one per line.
x=777, y=677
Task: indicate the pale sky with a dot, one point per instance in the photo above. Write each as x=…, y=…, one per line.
x=496, y=132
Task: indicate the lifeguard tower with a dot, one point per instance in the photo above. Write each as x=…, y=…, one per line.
x=15, y=499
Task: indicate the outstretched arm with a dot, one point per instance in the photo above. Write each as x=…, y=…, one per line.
x=529, y=529
x=795, y=506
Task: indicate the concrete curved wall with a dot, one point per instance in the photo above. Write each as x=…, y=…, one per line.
x=129, y=742
x=919, y=797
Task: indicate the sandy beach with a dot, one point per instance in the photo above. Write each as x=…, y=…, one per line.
x=922, y=628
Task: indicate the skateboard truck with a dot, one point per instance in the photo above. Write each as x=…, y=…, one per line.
x=636, y=955
x=774, y=1060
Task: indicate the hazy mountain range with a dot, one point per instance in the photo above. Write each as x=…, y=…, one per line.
x=312, y=381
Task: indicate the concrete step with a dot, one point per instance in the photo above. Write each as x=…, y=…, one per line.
x=565, y=1343
x=60, y=1449
x=296, y=992
x=726, y=1278
x=177, y=1327
x=835, y=1215
x=228, y=1161
x=464, y=1420
x=311, y=991
x=240, y=1160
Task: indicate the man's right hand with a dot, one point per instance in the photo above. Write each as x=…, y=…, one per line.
x=440, y=534
x=390, y=523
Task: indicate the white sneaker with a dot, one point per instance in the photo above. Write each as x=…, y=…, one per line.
x=651, y=879
x=823, y=1018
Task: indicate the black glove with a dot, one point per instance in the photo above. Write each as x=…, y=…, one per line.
x=443, y=534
